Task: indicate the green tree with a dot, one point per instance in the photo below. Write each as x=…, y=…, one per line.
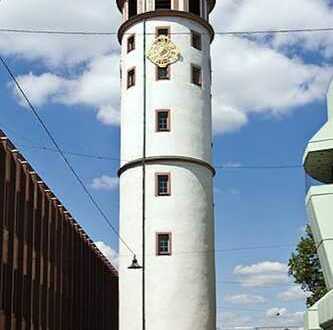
x=304, y=266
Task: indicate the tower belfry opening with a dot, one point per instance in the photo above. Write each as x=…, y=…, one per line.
x=132, y=8
x=162, y=4
x=194, y=7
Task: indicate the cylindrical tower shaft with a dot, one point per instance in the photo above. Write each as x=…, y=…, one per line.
x=166, y=173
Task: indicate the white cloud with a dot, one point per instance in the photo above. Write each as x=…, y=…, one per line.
x=108, y=115
x=40, y=88
x=227, y=119
x=234, y=320
x=75, y=15
x=245, y=299
x=282, y=315
x=262, y=274
x=97, y=87
x=273, y=317
x=273, y=312
x=242, y=86
x=232, y=164
x=245, y=15
x=250, y=76
x=105, y=183
x=264, y=280
x=292, y=294
x=109, y=253
x=253, y=78
x=260, y=268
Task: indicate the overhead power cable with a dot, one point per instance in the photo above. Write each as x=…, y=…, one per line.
x=241, y=309
x=217, y=251
x=112, y=33
x=246, y=285
x=108, y=158
x=116, y=159
x=63, y=156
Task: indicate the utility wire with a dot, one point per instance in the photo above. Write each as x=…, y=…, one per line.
x=108, y=158
x=267, y=327
x=71, y=153
x=239, y=249
x=59, y=150
x=112, y=33
x=241, y=309
x=255, y=287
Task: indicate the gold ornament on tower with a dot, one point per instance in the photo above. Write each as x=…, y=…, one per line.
x=163, y=52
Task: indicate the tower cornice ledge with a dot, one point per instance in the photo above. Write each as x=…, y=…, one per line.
x=163, y=13
x=163, y=160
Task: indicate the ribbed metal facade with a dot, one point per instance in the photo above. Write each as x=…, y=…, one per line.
x=52, y=276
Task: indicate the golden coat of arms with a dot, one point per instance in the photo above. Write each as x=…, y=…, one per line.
x=163, y=52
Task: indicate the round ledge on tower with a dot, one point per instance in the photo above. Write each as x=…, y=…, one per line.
x=164, y=13
x=165, y=160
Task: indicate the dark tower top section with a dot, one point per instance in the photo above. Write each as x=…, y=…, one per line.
x=134, y=11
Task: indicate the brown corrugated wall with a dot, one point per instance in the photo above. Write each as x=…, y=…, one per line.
x=52, y=276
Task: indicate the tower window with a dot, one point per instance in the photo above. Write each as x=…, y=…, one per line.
x=162, y=73
x=130, y=43
x=162, y=31
x=163, y=121
x=163, y=244
x=131, y=78
x=194, y=7
x=196, y=40
x=163, y=185
x=162, y=4
x=196, y=75
x=132, y=8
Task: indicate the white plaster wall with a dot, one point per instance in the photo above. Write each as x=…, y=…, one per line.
x=319, y=207
x=325, y=311
x=180, y=288
x=311, y=318
x=190, y=105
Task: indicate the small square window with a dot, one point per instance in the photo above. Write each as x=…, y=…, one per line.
x=162, y=73
x=130, y=43
x=163, y=244
x=163, y=186
x=196, y=40
x=163, y=31
x=196, y=75
x=131, y=78
x=162, y=120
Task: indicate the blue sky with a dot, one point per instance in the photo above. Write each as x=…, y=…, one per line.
x=269, y=99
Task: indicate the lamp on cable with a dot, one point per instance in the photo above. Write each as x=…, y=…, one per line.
x=135, y=264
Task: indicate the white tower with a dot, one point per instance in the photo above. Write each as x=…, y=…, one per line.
x=166, y=176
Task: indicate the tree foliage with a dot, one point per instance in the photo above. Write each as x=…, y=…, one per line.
x=304, y=266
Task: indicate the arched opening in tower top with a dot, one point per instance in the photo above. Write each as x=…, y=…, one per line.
x=162, y=4
x=132, y=8
x=194, y=7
